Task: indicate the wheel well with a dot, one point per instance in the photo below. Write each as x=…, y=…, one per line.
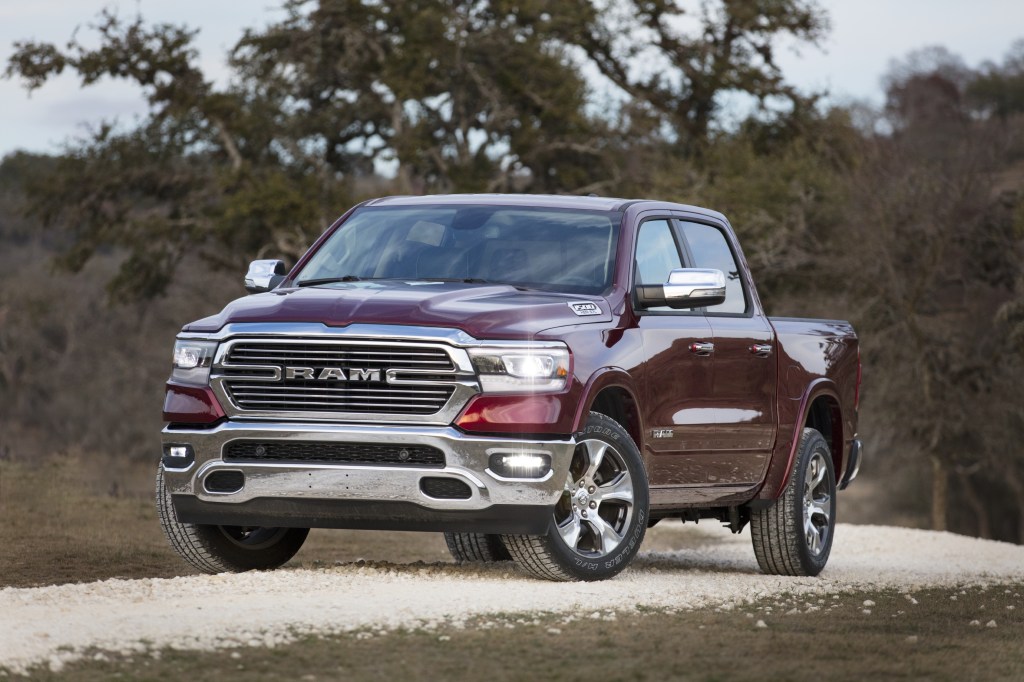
x=826, y=417
x=618, y=404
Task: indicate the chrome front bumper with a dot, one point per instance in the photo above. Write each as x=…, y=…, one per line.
x=321, y=494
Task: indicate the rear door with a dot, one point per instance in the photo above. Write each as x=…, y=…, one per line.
x=744, y=381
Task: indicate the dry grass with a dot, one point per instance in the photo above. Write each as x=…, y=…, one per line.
x=931, y=640
x=79, y=519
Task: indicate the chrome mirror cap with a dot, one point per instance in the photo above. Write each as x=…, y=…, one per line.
x=685, y=288
x=264, y=275
x=692, y=284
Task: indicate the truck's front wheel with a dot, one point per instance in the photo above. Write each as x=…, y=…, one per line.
x=599, y=522
x=220, y=549
x=794, y=535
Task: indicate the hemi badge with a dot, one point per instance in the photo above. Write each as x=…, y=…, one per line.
x=584, y=308
x=662, y=433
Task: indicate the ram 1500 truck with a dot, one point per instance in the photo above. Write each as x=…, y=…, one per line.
x=541, y=378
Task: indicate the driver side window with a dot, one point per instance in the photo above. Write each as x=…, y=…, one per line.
x=657, y=254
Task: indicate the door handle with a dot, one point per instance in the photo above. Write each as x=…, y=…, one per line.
x=702, y=348
x=761, y=350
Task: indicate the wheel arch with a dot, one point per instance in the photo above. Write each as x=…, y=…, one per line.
x=611, y=392
x=824, y=414
x=821, y=409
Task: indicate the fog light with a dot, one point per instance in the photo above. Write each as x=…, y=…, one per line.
x=178, y=456
x=520, y=464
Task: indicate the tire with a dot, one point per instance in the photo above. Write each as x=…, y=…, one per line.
x=597, y=529
x=794, y=535
x=476, y=547
x=225, y=549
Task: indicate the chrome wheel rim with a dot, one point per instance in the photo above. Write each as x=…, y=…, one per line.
x=817, y=504
x=596, y=506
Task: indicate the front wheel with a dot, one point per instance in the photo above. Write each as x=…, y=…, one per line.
x=794, y=535
x=599, y=522
x=220, y=549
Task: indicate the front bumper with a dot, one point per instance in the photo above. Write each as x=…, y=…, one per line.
x=329, y=495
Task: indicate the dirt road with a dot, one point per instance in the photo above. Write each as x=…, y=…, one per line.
x=682, y=567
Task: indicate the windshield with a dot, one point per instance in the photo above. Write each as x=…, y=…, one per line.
x=553, y=249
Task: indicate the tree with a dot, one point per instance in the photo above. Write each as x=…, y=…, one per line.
x=462, y=96
x=933, y=254
x=998, y=90
x=644, y=48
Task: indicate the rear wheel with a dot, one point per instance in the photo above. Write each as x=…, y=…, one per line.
x=794, y=535
x=599, y=522
x=220, y=549
x=476, y=547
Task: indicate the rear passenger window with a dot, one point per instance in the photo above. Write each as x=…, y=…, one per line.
x=711, y=250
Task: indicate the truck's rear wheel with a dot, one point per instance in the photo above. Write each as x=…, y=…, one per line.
x=476, y=547
x=219, y=549
x=794, y=535
x=599, y=522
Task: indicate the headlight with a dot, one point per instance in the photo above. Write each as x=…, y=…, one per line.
x=521, y=369
x=192, y=361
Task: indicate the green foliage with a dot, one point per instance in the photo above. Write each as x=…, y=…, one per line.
x=999, y=89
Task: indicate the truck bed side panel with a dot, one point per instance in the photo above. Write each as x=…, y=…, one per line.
x=817, y=358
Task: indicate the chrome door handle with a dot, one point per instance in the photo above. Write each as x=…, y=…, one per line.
x=761, y=350
x=702, y=348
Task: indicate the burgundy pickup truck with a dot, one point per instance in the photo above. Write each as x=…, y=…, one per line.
x=541, y=378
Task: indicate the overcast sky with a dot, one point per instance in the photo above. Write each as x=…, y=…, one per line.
x=865, y=35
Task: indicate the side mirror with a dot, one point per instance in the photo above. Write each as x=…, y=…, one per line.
x=264, y=275
x=685, y=288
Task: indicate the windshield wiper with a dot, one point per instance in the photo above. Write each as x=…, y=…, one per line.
x=327, y=280
x=464, y=280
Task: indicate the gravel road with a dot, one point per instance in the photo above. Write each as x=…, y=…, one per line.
x=682, y=567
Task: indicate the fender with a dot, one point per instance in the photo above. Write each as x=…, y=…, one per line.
x=607, y=377
x=784, y=453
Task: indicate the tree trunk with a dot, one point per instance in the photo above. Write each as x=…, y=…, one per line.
x=977, y=506
x=940, y=495
x=1017, y=485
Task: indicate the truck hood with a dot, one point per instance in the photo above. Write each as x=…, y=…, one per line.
x=483, y=311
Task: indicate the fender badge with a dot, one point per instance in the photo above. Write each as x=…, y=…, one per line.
x=584, y=308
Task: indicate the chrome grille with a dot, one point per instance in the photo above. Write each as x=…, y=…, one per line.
x=391, y=378
x=301, y=395
x=336, y=354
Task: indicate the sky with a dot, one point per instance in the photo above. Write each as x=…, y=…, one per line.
x=865, y=36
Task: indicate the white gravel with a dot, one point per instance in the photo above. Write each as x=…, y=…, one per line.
x=57, y=624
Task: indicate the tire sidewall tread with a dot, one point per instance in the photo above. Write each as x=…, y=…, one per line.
x=547, y=557
x=776, y=532
x=208, y=550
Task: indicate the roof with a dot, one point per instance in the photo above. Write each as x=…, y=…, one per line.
x=591, y=203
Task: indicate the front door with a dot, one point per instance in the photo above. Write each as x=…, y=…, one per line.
x=676, y=378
